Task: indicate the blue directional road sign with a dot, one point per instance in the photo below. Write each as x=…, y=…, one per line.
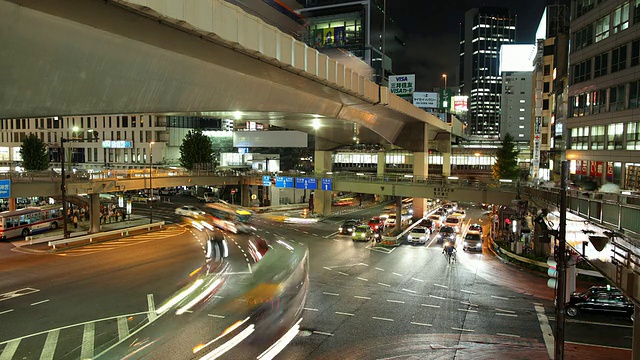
x=288, y=182
x=5, y=189
x=266, y=180
x=279, y=181
x=327, y=184
x=307, y=183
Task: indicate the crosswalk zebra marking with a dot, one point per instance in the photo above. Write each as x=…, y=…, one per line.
x=50, y=344
x=88, y=339
x=10, y=349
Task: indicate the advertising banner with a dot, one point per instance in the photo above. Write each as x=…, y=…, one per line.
x=5, y=189
x=599, y=169
x=402, y=84
x=329, y=37
x=578, y=167
x=609, y=170
x=459, y=104
x=592, y=170
x=425, y=100
x=584, y=167
x=535, y=161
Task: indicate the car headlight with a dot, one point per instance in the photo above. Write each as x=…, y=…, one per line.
x=422, y=237
x=349, y=230
x=339, y=229
x=354, y=235
x=479, y=245
x=409, y=237
x=466, y=243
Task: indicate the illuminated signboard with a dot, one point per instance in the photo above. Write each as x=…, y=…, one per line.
x=117, y=144
x=426, y=100
x=402, y=84
x=459, y=104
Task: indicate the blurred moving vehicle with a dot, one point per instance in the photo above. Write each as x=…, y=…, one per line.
x=446, y=233
x=348, y=226
x=188, y=210
x=362, y=233
x=454, y=222
x=375, y=223
x=436, y=219
x=602, y=299
x=343, y=202
x=427, y=223
x=418, y=234
x=475, y=227
x=391, y=221
x=461, y=213
x=472, y=241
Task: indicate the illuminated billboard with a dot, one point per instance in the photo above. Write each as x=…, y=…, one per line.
x=402, y=84
x=517, y=57
x=425, y=100
x=459, y=104
x=329, y=37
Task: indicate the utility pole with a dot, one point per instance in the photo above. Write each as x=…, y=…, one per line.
x=561, y=265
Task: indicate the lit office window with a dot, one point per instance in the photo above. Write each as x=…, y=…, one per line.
x=597, y=137
x=617, y=98
x=602, y=28
x=614, y=136
x=620, y=18
x=633, y=136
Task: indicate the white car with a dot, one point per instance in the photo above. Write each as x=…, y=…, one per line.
x=454, y=221
x=418, y=234
x=189, y=210
x=391, y=221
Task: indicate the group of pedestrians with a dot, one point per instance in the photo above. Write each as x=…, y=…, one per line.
x=111, y=213
x=77, y=214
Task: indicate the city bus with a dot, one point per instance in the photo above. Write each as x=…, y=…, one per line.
x=31, y=220
x=227, y=212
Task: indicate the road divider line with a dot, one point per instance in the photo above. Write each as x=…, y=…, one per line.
x=395, y=301
x=499, y=297
x=379, y=318
x=383, y=284
x=331, y=294
x=420, y=324
x=6, y=311
x=343, y=273
x=343, y=313
x=361, y=278
x=310, y=309
x=467, y=291
x=506, y=311
x=432, y=306
x=362, y=297
x=49, y=348
x=420, y=280
x=437, y=297
x=123, y=328
x=460, y=329
x=88, y=339
x=322, y=333
x=39, y=302
x=442, y=286
x=509, y=335
x=410, y=291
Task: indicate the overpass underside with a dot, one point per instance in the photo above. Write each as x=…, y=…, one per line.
x=203, y=58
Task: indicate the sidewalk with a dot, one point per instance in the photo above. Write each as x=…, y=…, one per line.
x=83, y=229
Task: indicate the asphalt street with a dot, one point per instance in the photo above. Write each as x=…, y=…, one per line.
x=363, y=301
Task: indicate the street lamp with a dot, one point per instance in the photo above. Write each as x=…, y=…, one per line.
x=150, y=182
x=444, y=76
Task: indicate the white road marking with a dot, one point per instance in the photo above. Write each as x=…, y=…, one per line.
x=503, y=314
x=344, y=313
x=506, y=311
x=322, y=333
x=363, y=264
x=330, y=235
x=343, y=273
x=411, y=291
x=40, y=302
x=379, y=318
x=123, y=328
x=437, y=297
x=547, y=333
x=499, y=297
x=467, y=291
x=420, y=280
x=383, y=284
x=442, y=286
x=467, y=303
x=429, y=305
x=324, y=267
x=421, y=324
x=396, y=301
x=216, y=316
x=315, y=234
x=332, y=294
x=6, y=311
x=379, y=269
x=509, y=335
x=361, y=278
x=16, y=293
x=459, y=329
x=310, y=309
x=151, y=305
x=305, y=232
x=88, y=339
x=10, y=349
x=362, y=297
x=49, y=348
x=396, y=274
x=604, y=346
x=336, y=240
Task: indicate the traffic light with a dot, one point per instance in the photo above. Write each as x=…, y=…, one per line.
x=553, y=274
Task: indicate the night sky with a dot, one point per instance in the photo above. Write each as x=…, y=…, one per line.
x=432, y=29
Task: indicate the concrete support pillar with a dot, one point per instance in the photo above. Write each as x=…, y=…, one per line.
x=382, y=162
x=12, y=204
x=245, y=193
x=446, y=164
x=420, y=171
x=322, y=199
x=635, y=339
x=94, y=213
x=398, y=228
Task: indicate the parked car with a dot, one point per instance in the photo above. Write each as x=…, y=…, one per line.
x=602, y=299
x=472, y=241
x=362, y=233
x=189, y=210
x=446, y=233
x=418, y=234
x=348, y=226
x=475, y=227
x=375, y=223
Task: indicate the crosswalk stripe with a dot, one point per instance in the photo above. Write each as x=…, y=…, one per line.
x=123, y=328
x=88, y=338
x=10, y=349
x=49, y=348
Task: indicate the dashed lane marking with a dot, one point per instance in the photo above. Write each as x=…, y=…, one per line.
x=396, y=274
x=499, y=297
x=432, y=306
x=420, y=280
x=468, y=303
x=327, y=268
x=468, y=310
x=39, y=302
x=343, y=313
x=410, y=291
x=363, y=279
x=442, y=286
x=343, y=273
x=322, y=333
x=509, y=335
x=6, y=311
x=503, y=314
x=216, y=316
x=506, y=311
x=420, y=324
x=460, y=329
x=395, y=301
x=437, y=297
x=379, y=318
x=379, y=269
x=467, y=291
x=331, y=294
x=310, y=309
x=383, y=284
x=362, y=297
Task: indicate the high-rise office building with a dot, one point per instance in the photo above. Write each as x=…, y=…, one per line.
x=516, y=71
x=482, y=33
x=603, y=122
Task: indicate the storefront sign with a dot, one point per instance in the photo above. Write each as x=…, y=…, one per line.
x=535, y=161
x=592, y=170
x=117, y=144
x=599, y=169
x=584, y=167
x=609, y=170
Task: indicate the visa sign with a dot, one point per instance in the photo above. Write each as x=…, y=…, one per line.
x=402, y=84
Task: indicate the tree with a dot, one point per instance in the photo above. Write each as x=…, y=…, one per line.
x=35, y=154
x=506, y=166
x=196, y=149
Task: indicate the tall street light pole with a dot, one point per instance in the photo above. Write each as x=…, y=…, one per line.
x=63, y=189
x=150, y=182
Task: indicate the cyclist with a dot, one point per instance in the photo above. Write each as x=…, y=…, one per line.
x=450, y=252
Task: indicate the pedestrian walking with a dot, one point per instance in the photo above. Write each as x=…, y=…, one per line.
x=75, y=221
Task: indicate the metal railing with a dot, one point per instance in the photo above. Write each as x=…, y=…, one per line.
x=91, y=237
